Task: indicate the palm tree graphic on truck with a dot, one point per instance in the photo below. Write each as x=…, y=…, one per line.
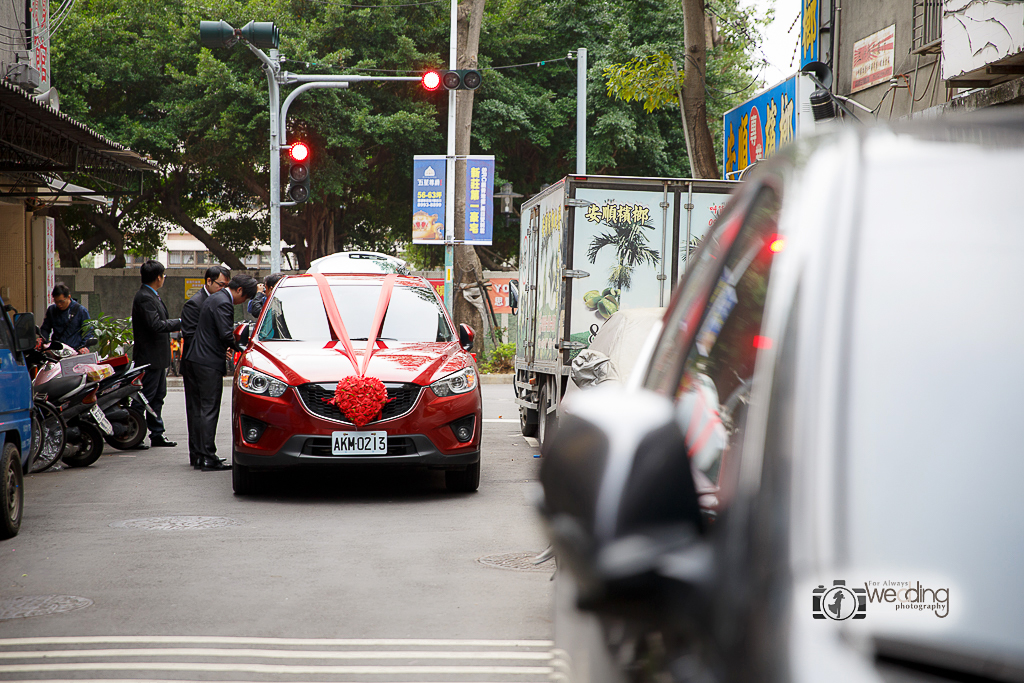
x=629, y=224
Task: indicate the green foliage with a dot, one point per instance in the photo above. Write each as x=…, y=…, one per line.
x=652, y=80
x=115, y=335
x=242, y=234
x=135, y=71
x=501, y=360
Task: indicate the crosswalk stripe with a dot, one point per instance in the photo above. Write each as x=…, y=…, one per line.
x=274, y=668
x=277, y=654
x=237, y=640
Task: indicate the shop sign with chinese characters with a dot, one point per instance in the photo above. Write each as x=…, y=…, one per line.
x=479, y=202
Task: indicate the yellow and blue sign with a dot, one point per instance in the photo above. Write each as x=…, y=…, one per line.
x=808, y=32
x=479, y=199
x=428, y=178
x=759, y=126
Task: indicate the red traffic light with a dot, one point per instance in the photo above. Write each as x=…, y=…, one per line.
x=299, y=151
x=431, y=80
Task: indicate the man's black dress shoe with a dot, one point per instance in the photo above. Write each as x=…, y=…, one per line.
x=214, y=465
x=161, y=442
x=141, y=447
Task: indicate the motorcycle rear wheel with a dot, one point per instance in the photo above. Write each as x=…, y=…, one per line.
x=52, y=436
x=90, y=446
x=135, y=434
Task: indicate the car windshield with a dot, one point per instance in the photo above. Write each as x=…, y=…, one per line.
x=298, y=314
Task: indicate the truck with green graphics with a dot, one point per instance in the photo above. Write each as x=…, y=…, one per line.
x=590, y=246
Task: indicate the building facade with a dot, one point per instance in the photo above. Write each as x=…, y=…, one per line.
x=47, y=159
x=909, y=58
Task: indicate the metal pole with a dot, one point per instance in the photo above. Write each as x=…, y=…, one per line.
x=664, y=246
x=581, y=111
x=449, y=193
x=689, y=216
x=275, y=166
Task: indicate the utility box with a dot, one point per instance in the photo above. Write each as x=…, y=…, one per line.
x=589, y=246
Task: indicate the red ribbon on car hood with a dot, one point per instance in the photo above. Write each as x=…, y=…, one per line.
x=360, y=398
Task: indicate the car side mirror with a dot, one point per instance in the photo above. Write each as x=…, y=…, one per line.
x=466, y=335
x=620, y=506
x=513, y=296
x=24, y=332
x=243, y=331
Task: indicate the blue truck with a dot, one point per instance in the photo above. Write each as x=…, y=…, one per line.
x=17, y=335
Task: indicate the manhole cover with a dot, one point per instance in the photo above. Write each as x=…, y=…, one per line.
x=520, y=562
x=39, y=605
x=174, y=523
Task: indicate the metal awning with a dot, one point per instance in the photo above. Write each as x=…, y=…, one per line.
x=40, y=148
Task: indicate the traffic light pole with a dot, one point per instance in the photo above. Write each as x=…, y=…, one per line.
x=449, y=181
x=279, y=127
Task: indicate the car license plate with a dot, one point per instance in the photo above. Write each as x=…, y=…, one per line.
x=359, y=443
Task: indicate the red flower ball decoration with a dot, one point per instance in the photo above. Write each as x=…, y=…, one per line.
x=360, y=399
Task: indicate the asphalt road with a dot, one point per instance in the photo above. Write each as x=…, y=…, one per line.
x=345, y=576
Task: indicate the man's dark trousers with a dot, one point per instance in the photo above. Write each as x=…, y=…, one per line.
x=210, y=384
x=189, y=372
x=154, y=388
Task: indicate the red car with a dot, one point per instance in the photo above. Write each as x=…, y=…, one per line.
x=282, y=411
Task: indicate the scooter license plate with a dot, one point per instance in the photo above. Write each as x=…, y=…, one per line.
x=145, y=402
x=101, y=420
x=359, y=443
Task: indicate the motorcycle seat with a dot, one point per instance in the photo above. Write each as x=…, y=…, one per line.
x=59, y=386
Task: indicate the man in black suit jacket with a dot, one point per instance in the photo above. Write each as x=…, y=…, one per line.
x=151, y=328
x=217, y=278
x=207, y=354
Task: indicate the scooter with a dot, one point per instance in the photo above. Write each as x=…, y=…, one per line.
x=115, y=398
x=74, y=397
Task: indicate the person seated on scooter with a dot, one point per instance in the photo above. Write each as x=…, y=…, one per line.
x=64, y=320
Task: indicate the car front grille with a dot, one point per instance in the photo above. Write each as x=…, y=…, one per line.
x=397, y=445
x=402, y=398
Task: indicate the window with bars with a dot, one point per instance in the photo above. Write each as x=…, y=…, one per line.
x=927, y=28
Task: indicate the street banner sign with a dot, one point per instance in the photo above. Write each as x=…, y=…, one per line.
x=479, y=202
x=428, y=190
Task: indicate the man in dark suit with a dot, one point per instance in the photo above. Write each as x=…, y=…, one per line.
x=214, y=339
x=151, y=328
x=217, y=278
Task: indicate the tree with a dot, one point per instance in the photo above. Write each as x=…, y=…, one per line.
x=712, y=60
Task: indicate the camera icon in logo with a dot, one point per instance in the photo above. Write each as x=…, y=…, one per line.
x=839, y=603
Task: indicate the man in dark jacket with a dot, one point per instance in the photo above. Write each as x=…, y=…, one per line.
x=151, y=328
x=64, y=319
x=214, y=339
x=217, y=278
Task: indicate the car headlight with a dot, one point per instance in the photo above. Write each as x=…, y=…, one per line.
x=456, y=383
x=254, y=382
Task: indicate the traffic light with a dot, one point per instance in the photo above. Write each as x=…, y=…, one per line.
x=261, y=34
x=257, y=33
x=298, y=173
x=431, y=80
x=216, y=34
x=460, y=79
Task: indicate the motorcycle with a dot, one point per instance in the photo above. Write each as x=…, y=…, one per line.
x=116, y=394
x=74, y=400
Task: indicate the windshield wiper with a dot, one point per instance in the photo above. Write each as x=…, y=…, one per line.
x=366, y=339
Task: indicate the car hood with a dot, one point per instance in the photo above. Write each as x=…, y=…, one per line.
x=299, y=362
